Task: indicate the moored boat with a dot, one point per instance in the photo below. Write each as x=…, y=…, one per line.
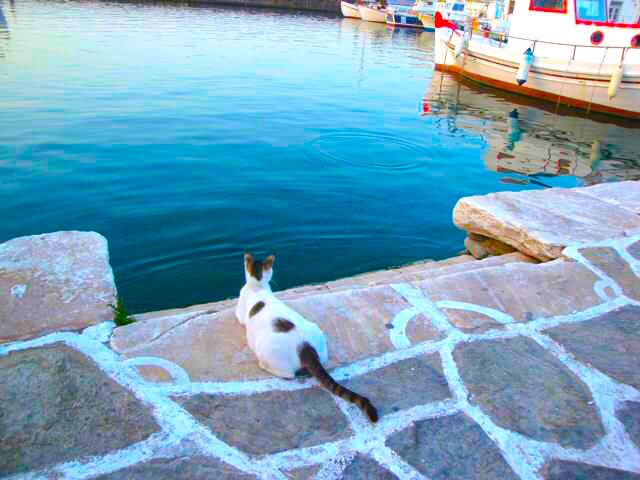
x=582, y=53
x=349, y=10
x=372, y=13
x=402, y=16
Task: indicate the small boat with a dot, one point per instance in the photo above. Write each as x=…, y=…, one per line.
x=372, y=13
x=401, y=16
x=349, y=10
x=582, y=53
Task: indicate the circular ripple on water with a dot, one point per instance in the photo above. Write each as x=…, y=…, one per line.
x=374, y=151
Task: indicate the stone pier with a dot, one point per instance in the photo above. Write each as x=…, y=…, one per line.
x=522, y=365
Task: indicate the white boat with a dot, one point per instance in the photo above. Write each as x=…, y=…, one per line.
x=582, y=53
x=349, y=10
x=372, y=14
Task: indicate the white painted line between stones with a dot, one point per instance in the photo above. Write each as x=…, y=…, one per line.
x=496, y=315
x=177, y=373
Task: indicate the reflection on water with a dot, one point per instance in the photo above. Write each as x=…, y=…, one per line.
x=187, y=134
x=524, y=140
x=4, y=30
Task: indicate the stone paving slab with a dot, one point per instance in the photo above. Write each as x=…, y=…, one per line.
x=610, y=343
x=541, y=223
x=525, y=389
x=364, y=468
x=52, y=282
x=182, y=468
x=58, y=406
x=563, y=470
x=404, y=384
x=451, y=447
x=270, y=422
x=525, y=291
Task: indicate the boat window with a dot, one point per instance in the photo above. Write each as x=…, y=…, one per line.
x=623, y=12
x=591, y=10
x=556, y=6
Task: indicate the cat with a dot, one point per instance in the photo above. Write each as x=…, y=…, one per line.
x=285, y=343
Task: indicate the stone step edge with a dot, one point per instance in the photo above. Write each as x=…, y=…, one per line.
x=443, y=268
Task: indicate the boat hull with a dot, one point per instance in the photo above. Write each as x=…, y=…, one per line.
x=403, y=19
x=372, y=14
x=547, y=80
x=349, y=10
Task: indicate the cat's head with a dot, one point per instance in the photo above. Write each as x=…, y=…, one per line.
x=258, y=274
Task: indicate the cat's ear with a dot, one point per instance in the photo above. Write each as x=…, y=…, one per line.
x=248, y=259
x=268, y=263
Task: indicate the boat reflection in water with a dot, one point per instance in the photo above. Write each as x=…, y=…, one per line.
x=530, y=143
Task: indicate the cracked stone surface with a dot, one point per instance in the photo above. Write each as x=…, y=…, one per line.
x=527, y=390
x=610, y=343
x=541, y=223
x=451, y=447
x=563, y=470
x=183, y=468
x=364, y=468
x=612, y=264
x=629, y=415
x=272, y=422
x=57, y=399
x=410, y=382
x=52, y=282
x=302, y=473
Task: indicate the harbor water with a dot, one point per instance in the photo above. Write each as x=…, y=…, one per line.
x=189, y=134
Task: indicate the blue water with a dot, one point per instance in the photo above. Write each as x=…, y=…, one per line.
x=187, y=135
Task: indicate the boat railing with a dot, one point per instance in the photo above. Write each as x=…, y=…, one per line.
x=502, y=38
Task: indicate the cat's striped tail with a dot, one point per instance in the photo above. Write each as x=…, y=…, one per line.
x=309, y=359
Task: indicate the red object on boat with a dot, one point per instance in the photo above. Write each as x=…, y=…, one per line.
x=439, y=22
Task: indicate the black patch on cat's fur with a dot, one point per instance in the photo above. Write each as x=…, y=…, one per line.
x=303, y=372
x=256, y=308
x=256, y=270
x=282, y=325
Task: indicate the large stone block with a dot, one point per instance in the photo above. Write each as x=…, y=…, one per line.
x=52, y=282
x=182, y=468
x=541, y=223
x=565, y=470
x=402, y=385
x=214, y=347
x=610, y=343
x=524, y=388
x=451, y=447
x=270, y=422
x=524, y=291
x=621, y=194
x=56, y=405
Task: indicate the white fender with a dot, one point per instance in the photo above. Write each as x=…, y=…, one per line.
x=462, y=44
x=523, y=70
x=614, y=83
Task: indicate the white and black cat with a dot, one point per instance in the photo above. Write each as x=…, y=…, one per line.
x=282, y=339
